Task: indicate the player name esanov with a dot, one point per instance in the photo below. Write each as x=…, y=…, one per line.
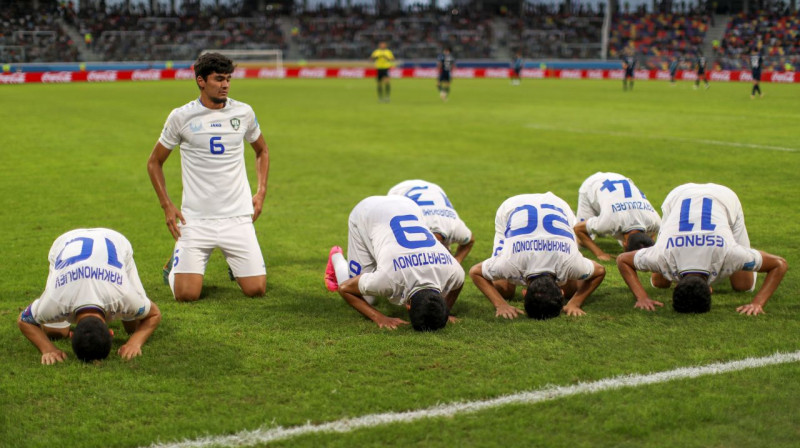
x=422, y=259
x=447, y=213
x=708, y=240
x=541, y=246
x=631, y=205
x=87, y=272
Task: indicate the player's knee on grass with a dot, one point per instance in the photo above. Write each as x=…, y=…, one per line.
x=544, y=299
x=187, y=287
x=253, y=286
x=743, y=281
x=692, y=295
x=428, y=312
x=57, y=331
x=658, y=281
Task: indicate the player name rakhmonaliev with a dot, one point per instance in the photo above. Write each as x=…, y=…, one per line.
x=423, y=259
x=89, y=273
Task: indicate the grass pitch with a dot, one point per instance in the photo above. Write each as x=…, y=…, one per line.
x=74, y=156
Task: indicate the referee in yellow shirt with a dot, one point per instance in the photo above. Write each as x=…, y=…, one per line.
x=384, y=59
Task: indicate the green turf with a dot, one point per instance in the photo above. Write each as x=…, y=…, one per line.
x=74, y=156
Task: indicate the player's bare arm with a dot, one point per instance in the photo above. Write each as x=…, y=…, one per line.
x=262, y=173
x=463, y=249
x=776, y=268
x=50, y=353
x=585, y=240
x=144, y=329
x=486, y=287
x=628, y=272
x=585, y=289
x=155, y=168
x=352, y=295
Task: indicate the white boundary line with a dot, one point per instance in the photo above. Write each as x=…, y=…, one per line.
x=266, y=435
x=662, y=137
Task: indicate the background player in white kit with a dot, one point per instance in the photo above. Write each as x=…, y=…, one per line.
x=703, y=239
x=92, y=280
x=609, y=204
x=392, y=254
x=217, y=210
x=438, y=214
x=535, y=246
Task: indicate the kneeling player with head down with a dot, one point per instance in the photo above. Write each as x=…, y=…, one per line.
x=92, y=280
x=703, y=239
x=394, y=255
x=535, y=246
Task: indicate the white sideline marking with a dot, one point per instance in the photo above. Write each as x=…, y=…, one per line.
x=662, y=137
x=266, y=435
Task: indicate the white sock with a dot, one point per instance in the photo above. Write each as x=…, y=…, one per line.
x=340, y=267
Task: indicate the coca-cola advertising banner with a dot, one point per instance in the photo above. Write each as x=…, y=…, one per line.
x=358, y=73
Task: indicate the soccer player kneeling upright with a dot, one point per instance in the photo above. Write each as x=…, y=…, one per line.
x=394, y=255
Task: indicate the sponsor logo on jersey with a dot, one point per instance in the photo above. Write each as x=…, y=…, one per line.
x=215, y=125
x=196, y=126
x=57, y=77
x=235, y=123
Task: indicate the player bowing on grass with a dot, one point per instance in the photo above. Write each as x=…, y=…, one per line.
x=438, y=214
x=609, y=204
x=92, y=281
x=392, y=254
x=703, y=239
x=534, y=246
x=217, y=210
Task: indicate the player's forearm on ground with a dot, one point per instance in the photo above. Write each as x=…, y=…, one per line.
x=486, y=287
x=36, y=336
x=585, y=240
x=451, y=298
x=463, y=250
x=588, y=286
x=146, y=326
x=362, y=307
x=776, y=268
x=628, y=272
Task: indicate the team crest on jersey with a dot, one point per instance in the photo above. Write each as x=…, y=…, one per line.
x=235, y=123
x=195, y=126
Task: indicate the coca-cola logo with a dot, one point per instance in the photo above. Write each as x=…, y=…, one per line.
x=783, y=77
x=464, y=73
x=532, y=73
x=312, y=73
x=425, y=73
x=57, y=77
x=721, y=76
x=351, y=73
x=146, y=75
x=642, y=74
x=239, y=73
x=662, y=75
x=271, y=73
x=496, y=73
x=13, y=78
x=616, y=74
x=571, y=74
x=594, y=74
x=689, y=76
x=102, y=76
x=396, y=73
x=184, y=73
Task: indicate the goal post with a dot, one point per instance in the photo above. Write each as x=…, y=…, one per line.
x=252, y=58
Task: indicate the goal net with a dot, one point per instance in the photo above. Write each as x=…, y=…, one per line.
x=252, y=58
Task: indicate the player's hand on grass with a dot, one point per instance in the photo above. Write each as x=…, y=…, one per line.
x=508, y=311
x=573, y=310
x=647, y=304
x=750, y=309
x=129, y=351
x=172, y=215
x=390, y=322
x=452, y=319
x=50, y=358
x=605, y=257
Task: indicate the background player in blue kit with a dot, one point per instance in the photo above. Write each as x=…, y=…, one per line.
x=516, y=69
x=445, y=63
x=756, y=62
x=629, y=64
x=673, y=68
x=700, y=65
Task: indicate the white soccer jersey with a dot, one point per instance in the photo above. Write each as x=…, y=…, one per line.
x=697, y=235
x=437, y=211
x=90, y=268
x=395, y=253
x=212, y=157
x=533, y=235
x=612, y=205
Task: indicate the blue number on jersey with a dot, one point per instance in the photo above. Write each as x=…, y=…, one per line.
x=705, y=217
x=216, y=146
x=400, y=233
x=355, y=268
x=414, y=196
x=87, y=247
x=548, y=222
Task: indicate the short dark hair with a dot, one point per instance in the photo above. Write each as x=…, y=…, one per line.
x=209, y=63
x=691, y=295
x=428, y=312
x=638, y=240
x=91, y=339
x=544, y=299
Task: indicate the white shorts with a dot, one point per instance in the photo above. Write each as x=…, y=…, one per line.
x=235, y=237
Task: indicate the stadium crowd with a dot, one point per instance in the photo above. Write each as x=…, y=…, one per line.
x=775, y=35
x=35, y=35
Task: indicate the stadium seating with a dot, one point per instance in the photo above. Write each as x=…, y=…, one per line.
x=658, y=38
x=777, y=36
x=34, y=35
